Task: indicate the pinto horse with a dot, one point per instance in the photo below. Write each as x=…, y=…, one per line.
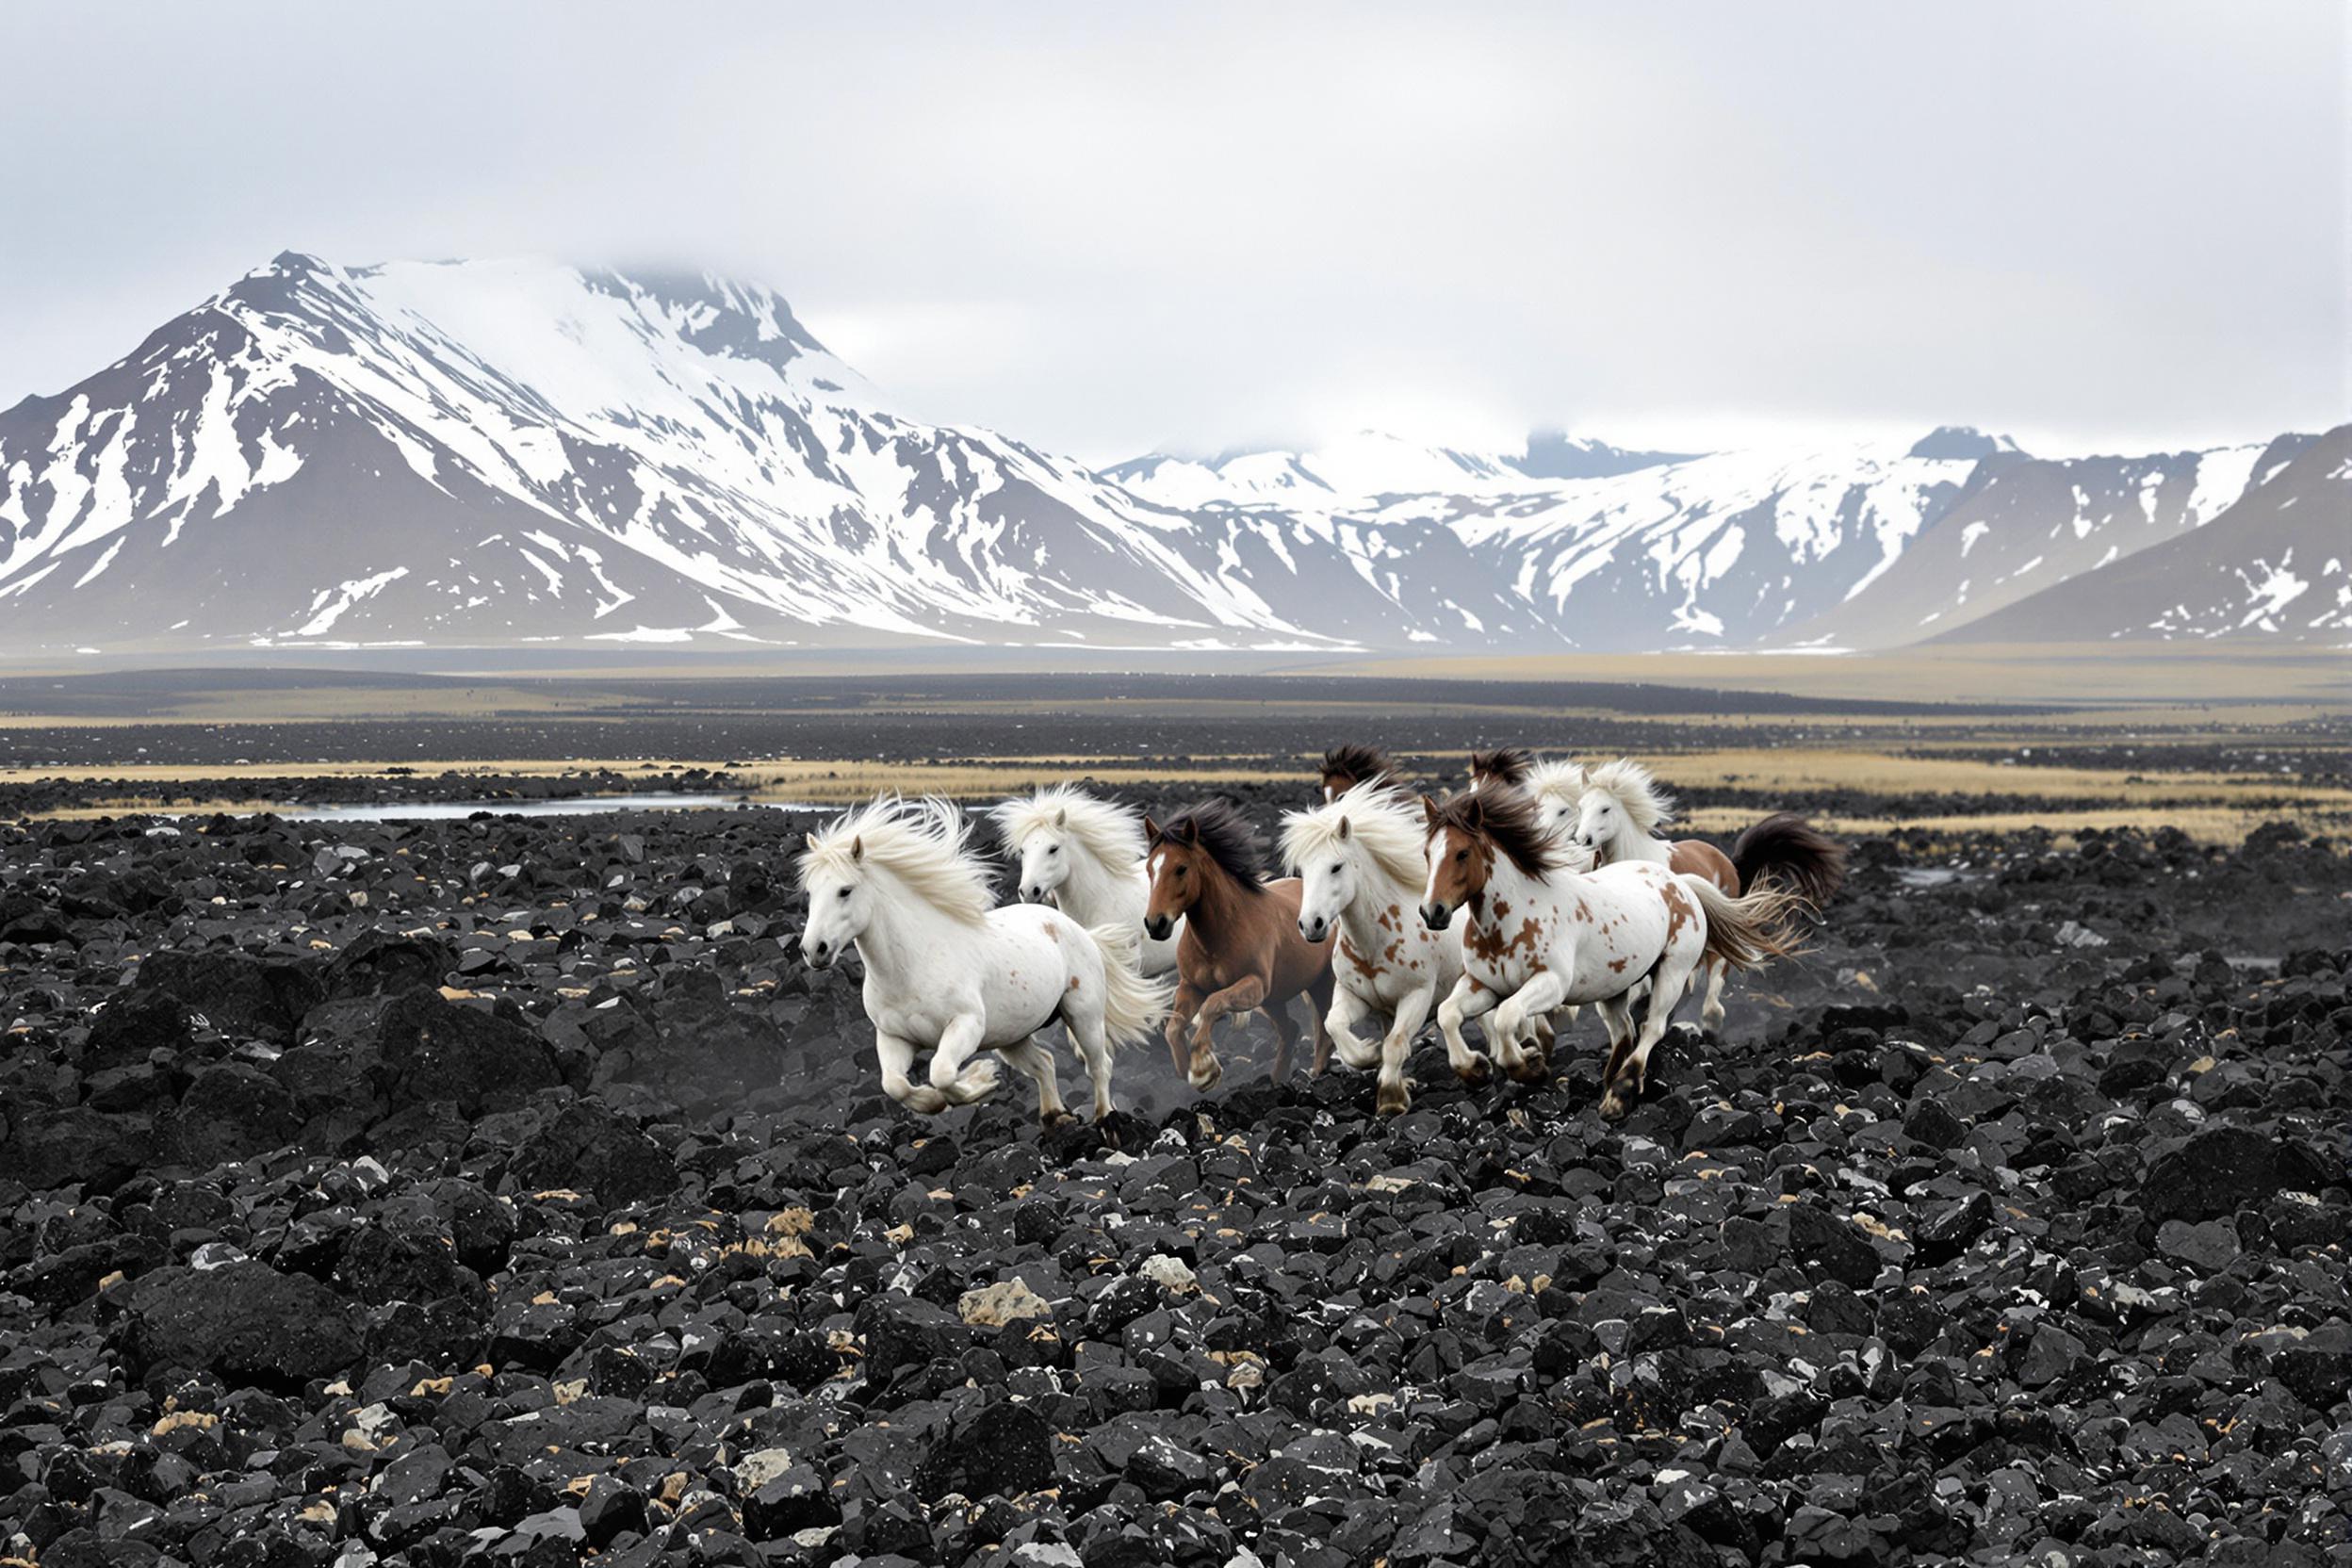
x=1241, y=947
x=1622, y=806
x=945, y=970
x=1540, y=935
x=1349, y=765
x=1360, y=859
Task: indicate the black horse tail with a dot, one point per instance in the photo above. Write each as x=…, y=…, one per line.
x=1788, y=851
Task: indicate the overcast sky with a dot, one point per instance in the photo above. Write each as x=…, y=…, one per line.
x=1113, y=228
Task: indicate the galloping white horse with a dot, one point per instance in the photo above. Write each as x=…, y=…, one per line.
x=1084, y=857
x=1558, y=786
x=1361, y=860
x=945, y=970
x=1539, y=935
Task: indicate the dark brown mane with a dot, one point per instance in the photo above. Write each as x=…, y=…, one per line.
x=1506, y=819
x=1505, y=765
x=1227, y=838
x=1359, y=763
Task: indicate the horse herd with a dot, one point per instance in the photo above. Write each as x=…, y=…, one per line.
x=1540, y=888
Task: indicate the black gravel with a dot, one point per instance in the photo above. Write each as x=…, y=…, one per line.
x=505, y=1191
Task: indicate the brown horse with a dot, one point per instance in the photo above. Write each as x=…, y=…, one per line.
x=1506, y=768
x=1240, y=949
x=1347, y=766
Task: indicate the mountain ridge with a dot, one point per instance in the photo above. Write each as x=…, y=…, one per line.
x=479, y=454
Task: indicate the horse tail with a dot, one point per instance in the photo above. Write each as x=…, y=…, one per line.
x=1750, y=931
x=1787, y=850
x=1132, y=1006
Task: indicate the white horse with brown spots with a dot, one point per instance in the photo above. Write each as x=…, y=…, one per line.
x=1539, y=935
x=946, y=971
x=1617, y=819
x=1361, y=860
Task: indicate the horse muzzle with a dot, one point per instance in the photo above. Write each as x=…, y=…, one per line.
x=1035, y=895
x=1436, y=916
x=819, y=956
x=1158, y=926
x=1315, y=930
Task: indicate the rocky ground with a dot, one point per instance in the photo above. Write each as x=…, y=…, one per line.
x=503, y=1191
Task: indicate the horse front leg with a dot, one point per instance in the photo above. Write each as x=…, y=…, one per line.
x=897, y=1057
x=1530, y=1003
x=1203, y=1070
x=1394, y=1095
x=1469, y=998
x=1180, y=1011
x=954, y=1074
x=1319, y=997
x=1347, y=1010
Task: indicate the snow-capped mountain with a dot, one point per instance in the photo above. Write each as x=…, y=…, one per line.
x=493, y=453
x=2020, y=525
x=2276, y=565
x=1366, y=467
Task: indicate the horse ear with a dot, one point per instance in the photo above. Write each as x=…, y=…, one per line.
x=809, y=840
x=1343, y=831
x=1477, y=810
x=1150, y=830
x=1061, y=818
x=858, y=847
x=1192, y=830
x=1429, y=810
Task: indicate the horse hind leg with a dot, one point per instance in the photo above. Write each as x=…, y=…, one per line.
x=1668, y=982
x=1094, y=1046
x=1617, y=1019
x=1035, y=1061
x=1711, y=1010
x=1319, y=1006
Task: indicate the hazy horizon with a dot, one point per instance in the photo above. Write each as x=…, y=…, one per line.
x=2103, y=229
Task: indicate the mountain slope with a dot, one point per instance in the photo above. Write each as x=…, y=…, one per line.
x=2278, y=563
x=501, y=452
x=2024, y=524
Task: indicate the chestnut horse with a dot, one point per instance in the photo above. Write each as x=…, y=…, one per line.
x=1241, y=947
x=1505, y=768
x=1347, y=766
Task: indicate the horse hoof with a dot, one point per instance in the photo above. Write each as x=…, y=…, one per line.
x=925, y=1100
x=1204, y=1077
x=1394, y=1102
x=1478, y=1070
x=1058, y=1119
x=1614, y=1105
x=1531, y=1068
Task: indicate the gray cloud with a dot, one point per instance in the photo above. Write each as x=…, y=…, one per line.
x=1104, y=228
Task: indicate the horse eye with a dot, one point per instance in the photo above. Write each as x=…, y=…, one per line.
x=1052, y=849
x=1338, y=866
x=844, y=894
x=1462, y=854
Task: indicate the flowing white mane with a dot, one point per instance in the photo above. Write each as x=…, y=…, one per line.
x=923, y=843
x=1385, y=823
x=1111, y=832
x=1558, y=776
x=1637, y=795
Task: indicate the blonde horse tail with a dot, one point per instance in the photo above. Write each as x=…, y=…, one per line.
x=1132, y=1006
x=1751, y=931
